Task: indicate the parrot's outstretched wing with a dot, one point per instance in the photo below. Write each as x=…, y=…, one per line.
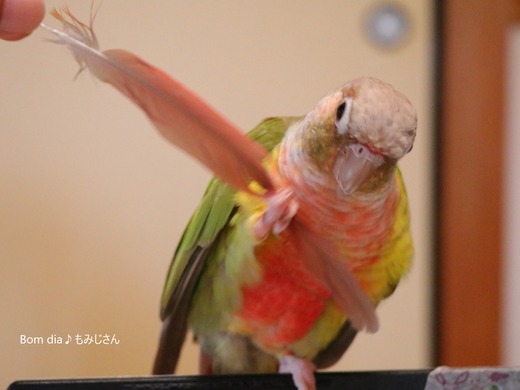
x=211, y=216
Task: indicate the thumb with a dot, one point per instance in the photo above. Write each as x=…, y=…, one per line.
x=18, y=18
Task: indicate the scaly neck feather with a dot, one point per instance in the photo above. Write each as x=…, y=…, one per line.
x=359, y=224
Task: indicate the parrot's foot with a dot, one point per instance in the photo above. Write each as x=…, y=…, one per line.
x=302, y=371
x=281, y=208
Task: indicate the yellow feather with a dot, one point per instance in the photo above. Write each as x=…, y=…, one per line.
x=382, y=277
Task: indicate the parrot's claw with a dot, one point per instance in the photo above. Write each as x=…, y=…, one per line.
x=281, y=208
x=302, y=371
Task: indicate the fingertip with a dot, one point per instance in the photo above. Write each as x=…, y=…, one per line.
x=18, y=18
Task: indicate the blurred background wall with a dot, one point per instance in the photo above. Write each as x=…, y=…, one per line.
x=93, y=201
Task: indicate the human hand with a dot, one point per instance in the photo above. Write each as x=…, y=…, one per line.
x=18, y=18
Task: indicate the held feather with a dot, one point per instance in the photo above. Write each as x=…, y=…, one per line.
x=181, y=117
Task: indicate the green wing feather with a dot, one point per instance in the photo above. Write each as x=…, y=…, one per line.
x=209, y=219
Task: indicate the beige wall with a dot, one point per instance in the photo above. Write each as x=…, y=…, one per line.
x=93, y=201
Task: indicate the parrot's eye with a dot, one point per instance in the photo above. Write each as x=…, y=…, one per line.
x=343, y=115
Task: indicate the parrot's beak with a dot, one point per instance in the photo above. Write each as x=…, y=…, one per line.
x=354, y=165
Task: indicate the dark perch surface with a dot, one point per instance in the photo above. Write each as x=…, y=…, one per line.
x=369, y=380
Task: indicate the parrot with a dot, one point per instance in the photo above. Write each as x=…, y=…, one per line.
x=304, y=230
x=237, y=278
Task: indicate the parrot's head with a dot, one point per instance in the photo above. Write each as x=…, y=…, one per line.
x=355, y=135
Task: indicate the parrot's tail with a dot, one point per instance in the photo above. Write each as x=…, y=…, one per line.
x=337, y=347
x=175, y=315
x=170, y=344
